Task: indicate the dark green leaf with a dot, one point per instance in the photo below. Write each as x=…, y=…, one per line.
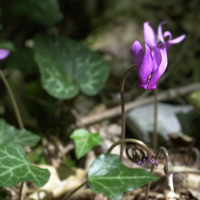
x=9, y=133
x=6, y=44
x=109, y=176
x=84, y=141
x=23, y=60
x=15, y=168
x=44, y=12
x=67, y=66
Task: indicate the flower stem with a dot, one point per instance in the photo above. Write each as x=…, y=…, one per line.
x=152, y=168
x=70, y=194
x=17, y=113
x=155, y=135
x=123, y=108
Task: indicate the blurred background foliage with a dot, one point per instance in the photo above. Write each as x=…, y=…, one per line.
x=107, y=26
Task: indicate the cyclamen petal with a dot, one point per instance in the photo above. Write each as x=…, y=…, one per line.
x=160, y=34
x=149, y=35
x=160, y=70
x=177, y=40
x=157, y=58
x=137, y=52
x=4, y=53
x=144, y=69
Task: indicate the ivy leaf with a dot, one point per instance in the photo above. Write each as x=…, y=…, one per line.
x=84, y=141
x=9, y=133
x=66, y=66
x=15, y=168
x=109, y=176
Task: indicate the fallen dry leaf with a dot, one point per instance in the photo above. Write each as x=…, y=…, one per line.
x=62, y=180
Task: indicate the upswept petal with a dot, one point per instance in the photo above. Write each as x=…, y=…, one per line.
x=160, y=34
x=177, y=40
x=149, y=35
x=137, y=52
x=160, y=70
x=4, y=53
x=166, y=34
x=144, y=69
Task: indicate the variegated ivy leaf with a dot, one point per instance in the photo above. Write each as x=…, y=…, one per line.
x=109, y=176
x=84, y=141
x=67, y=67
x=15, y=168
x=9, y=133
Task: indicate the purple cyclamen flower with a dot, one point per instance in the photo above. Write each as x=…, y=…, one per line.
x=152, y=160
x=4, y=53
x=152, y=64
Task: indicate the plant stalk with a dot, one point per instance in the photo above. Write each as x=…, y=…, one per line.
x=17, y=113
x=155, y=135
x=123, y=118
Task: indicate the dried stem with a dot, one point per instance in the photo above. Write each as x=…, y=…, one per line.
x=123, y=108
x=155, y=135
x=152, y=168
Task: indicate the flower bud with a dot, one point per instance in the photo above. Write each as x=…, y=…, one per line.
x=168, y=169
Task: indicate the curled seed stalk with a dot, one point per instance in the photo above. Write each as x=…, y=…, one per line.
x=123, y=108
x=134, y=141
x=152, y=168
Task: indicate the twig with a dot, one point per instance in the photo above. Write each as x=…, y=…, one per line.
x=116, y=111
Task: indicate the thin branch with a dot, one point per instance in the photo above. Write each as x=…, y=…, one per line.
x=116, y=111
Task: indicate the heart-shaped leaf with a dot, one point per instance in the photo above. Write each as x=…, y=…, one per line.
x=109, y=176
x=11, y=134
x=15, y=168
x=84, y=141
x=66, y=66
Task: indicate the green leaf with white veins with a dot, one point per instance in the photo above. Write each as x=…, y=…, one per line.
x=67, y=67
x=109, y=176
x=84, y=141
x=9, y=133
x=15, y=168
